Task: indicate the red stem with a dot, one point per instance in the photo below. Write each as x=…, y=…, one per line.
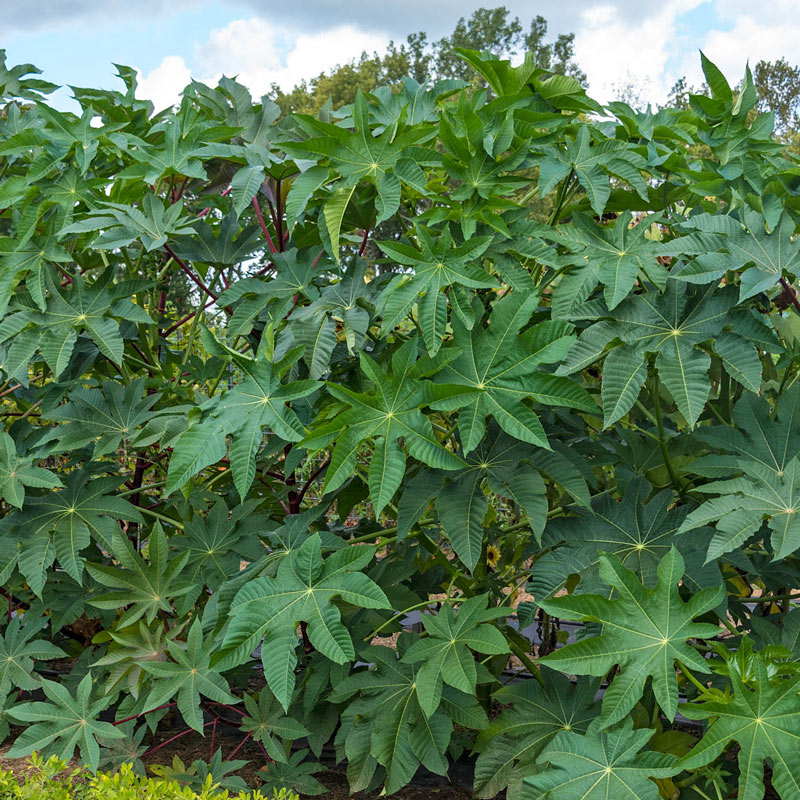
x=191, y=274
x=213, y=736
x=314, y=476
x=139, y=351
x=363, y=242
x=789, y=290
x=239, y=746
x=180, y=322
x=136, y=716
x=263, y=225
x=230, y=708
x=172, y=739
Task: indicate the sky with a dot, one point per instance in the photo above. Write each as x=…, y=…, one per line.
x=640, y=44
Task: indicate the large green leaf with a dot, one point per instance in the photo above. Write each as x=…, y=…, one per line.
x=187, y=677
x=302, y=592
x=638, y=531
x=16, y=473
x=536, y=714
x=743, y=504
x=500, y=366
x=64, y=723
x=645, y=631
x=445, y=653
x=387, y=726
x=389, y=414
x=765, y=723
x=18, y=649
x=63, y=523
x=146, y=588
x=437, y=264
x=602, y=764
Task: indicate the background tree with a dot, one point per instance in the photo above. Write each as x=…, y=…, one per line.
x=778, y=87
x=492, y=29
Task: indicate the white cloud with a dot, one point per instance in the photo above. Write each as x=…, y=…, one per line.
x=164, y=84
x=250, y=49
x=616, y=51
x=769, y=38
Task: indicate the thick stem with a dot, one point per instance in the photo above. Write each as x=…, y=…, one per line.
x=691, y=678
x=363, y=242
x=662, y=439
x=200, y=285
x=790, y=293
x=562, y=194
x=150, y=711
x=263, y=225
x=279, y=215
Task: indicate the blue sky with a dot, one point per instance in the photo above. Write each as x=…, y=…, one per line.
x=638, y=43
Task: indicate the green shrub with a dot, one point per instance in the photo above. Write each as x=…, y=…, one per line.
x=271, y=383
x=53, y=780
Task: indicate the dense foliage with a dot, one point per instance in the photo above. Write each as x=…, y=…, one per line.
x=275, y=384
x=421, y=58
x=53, y=780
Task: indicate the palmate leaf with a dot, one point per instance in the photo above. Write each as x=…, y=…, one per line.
x=437, y=264
x=500, y=366
x=218, y=542
x=617, y=256
x=360, y=154
x=105, y=415
x=644, y=632
x=672, y=326
x=188, y=676
x=16, y=473
x=762, y=257
x=296, y=775
x=259, y=400
x=122, y=224
x=770, y=439
x=743, y=504
x=315, y=326
x=302, y=591
x=129, y=648
x=63, y=523
x=231, y=244
x=445, y=653
x=146, y=588
x=265, y=719
x=602, y=764
x=510, y=746
x=509, y=469
x=387, y=726
x=22, y=257
x=764, y=721
x=18, y=650
x=592, y=165
x=762, y=451
x=462, y=504
x=64, y=723
x=640, y=532
x=389, y=414
x=54, y=331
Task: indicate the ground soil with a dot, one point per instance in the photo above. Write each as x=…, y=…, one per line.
x=193, y=746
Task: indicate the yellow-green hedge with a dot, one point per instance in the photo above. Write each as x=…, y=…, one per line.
x=51, y=780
